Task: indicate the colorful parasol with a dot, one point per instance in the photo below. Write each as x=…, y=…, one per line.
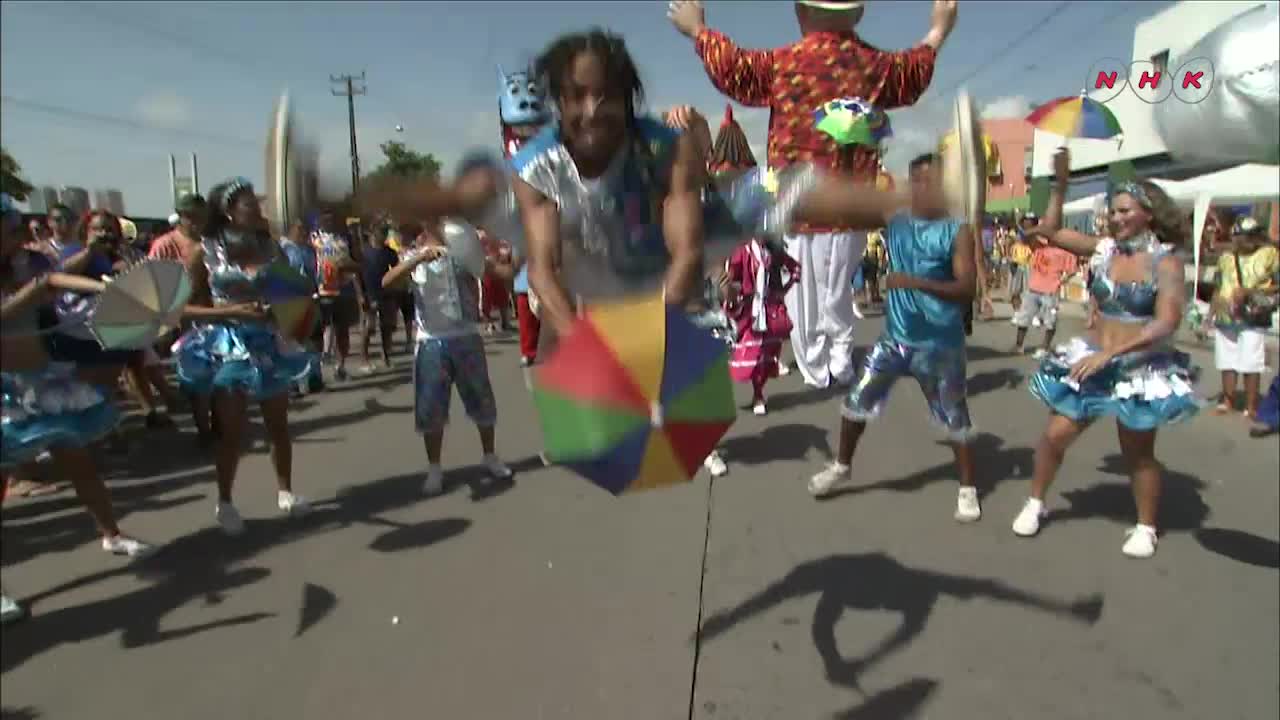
x=1076, y=117
x=988, y=149
x=635, y=397
x=141, y=304
x=852, y=121
x=290, y=295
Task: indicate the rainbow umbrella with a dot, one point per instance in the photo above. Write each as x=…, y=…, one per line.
x=1076, y=117
x=290, y=296
x=635, y=397
x=140, y=305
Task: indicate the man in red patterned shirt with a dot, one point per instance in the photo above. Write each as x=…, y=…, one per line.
x=830, y=61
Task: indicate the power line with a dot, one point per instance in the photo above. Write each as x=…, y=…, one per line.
x=1022, y=37
x=124, y=122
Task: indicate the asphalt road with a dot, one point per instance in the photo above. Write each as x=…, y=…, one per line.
x=551, y=599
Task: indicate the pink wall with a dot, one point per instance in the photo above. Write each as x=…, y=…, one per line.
x=1012, y=138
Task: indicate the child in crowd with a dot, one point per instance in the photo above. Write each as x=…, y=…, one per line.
x=754, y=303
x=450, y=351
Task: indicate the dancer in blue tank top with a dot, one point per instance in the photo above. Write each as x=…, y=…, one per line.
x=931, y=282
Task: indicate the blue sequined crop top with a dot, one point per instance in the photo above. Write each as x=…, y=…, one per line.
x=1131, y=301
x=231, y=282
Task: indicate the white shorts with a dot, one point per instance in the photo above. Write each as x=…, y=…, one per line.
x=1039, y=309
x=1242, y=351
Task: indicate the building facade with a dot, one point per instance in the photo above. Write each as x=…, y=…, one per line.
x=110, y=200
x=42, y=198
x=75, y=198
x=1013, y=139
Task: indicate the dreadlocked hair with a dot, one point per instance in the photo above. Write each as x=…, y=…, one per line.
x=552, y=71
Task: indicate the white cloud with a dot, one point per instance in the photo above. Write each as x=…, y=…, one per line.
x=165, y=109
x=1007, y=107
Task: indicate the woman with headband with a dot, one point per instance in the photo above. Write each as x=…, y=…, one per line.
x=234, y=353
x=1128, y=368
x=43, y=406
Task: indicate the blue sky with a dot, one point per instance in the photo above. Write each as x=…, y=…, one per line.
x=182, y=77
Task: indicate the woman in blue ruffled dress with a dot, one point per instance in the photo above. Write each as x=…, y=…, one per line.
x=43, y=407
x=1127, y=368
x=234, y=353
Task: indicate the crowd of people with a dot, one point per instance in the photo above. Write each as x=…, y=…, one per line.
x=610, y=200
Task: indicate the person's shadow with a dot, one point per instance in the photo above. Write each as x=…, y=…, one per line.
x=875, y=581
x=791, y=441
x=994, y=463
x=1181, y=506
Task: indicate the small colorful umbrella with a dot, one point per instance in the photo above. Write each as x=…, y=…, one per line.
x=852, y=121
x=290, y=295
x=635, y=397
x=1076, y=117
x=988, y=149
x=141, y=304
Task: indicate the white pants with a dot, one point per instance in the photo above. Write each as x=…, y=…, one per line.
x=1242, y=351
x=821, y=304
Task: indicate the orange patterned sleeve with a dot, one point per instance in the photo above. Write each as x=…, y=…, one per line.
x=744, y=75
x=904, y=75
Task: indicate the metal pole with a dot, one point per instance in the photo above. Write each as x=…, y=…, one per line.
x=173, y=181
x=195, y=176
x=350, y=91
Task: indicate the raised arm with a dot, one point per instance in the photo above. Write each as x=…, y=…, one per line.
x=1051, y=228
x=839, y=201
x=743, y=75
x=682, y=222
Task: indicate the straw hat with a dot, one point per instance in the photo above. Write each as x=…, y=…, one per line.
x=832, y=4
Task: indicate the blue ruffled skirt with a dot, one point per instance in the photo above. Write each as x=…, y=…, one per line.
x=50, y=408
x=249, y=357
x=1142, y=391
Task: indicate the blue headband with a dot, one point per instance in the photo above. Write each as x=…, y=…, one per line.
x=1133, y=189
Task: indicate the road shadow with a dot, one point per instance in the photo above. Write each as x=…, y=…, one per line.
x=993, y=461
x=317, y=603
x=978, y=353
x=418, y=535
x=22, y=713
x=791, y=441
x=1182, y=508
x=805, y=396
x=900, y=702
x=205, y=565
x=1002, y=379
x=875, y=581
x=1240, y=546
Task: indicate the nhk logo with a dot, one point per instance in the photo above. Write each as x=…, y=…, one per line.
x=1190, y=83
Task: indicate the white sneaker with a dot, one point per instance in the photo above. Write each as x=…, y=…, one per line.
x=434, y=484
x=784, y=369
x=546, y=461
x=496, y=467
x=229, y=518
x=831, y=478
x=760, y=408
x=10, y=610
x=127, y=546
x=1039, y=354
x=857, y=312
x=715, y=465
x=967, y=507
x=292, y=505
x=1141, y=542
x=1027, y=523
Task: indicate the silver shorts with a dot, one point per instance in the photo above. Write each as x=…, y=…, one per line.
x=1038, y=309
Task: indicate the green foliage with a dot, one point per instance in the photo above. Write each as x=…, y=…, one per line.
x=402, y=162
x=11, y=180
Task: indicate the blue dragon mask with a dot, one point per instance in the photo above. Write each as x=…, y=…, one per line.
x=522, y=109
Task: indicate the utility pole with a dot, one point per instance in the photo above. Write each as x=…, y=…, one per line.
x=349, y=90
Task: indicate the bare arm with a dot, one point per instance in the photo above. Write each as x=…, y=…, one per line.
x=416, y=258
x=837, y=201
x=1074, y=242
x=682, y=223
x=541, y=219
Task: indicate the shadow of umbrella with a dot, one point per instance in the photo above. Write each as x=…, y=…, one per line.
x=1240, y=546
x=900, y=702
x=317, y=602
x=419, y=535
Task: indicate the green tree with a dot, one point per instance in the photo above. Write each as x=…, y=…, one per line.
x=402, y=162
x=11, y=180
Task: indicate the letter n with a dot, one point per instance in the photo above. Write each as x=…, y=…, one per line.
x=1105, y=79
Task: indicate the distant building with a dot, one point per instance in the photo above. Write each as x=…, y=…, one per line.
x=109, y=200
x=41, y=199
x=76, y=198
x=1007, y=186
